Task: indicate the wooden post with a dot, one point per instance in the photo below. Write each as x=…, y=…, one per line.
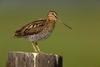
x=26, y=59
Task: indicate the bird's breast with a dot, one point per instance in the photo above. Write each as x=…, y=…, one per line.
x=44, y=34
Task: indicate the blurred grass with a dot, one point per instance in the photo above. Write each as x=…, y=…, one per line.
x=79, y=47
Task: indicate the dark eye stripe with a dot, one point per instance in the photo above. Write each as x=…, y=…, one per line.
x=54, y=14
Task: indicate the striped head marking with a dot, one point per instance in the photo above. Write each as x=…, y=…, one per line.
x=52, y=16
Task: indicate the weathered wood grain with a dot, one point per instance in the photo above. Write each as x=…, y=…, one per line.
x=26, y=59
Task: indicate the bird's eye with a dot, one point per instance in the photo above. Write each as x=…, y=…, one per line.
x=53, y=14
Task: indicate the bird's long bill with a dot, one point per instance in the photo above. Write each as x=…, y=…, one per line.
x=65, y=24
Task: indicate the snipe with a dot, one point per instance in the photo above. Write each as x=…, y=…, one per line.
x=38, y=30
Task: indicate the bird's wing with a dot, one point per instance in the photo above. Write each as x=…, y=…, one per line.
x=31, y=28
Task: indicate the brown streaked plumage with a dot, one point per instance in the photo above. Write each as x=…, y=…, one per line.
x=38, y=30
x=31, y=28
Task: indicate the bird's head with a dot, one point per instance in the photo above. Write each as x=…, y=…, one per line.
x=52, y=16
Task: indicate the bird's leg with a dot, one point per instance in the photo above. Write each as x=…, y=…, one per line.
x=37, y=47
x=34, y=46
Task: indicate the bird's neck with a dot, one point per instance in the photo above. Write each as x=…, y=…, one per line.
x=51, y=24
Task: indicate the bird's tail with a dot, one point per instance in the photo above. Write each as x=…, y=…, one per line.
x=17, y=34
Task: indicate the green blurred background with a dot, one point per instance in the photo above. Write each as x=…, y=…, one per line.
x=79, y=47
